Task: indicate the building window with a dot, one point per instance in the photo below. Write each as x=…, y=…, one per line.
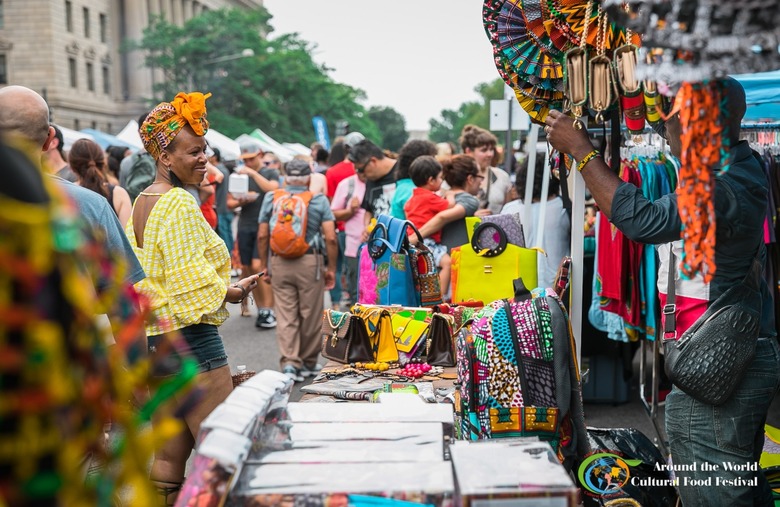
x=106, y=80
x=90, y=77
x=76, y=125
x=74, y=83
x=103, y=28
x=69, y=15
x=94, y=125
x=86, y=22
x=3, y=70
x=2, y=14
x=110, y=128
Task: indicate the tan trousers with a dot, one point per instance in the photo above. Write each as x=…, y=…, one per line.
x=298, y=305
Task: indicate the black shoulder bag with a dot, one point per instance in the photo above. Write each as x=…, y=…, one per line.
x=710, y=358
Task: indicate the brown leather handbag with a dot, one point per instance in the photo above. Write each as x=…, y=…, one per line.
x=344, y=338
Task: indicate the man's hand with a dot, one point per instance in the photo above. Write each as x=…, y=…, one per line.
x=354, y=204
x=567, y=134
x=330, y=279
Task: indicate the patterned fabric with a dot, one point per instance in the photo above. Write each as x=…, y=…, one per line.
x=186, y=263
x=704, y=142
x=165, y=121
x=503, y=395
x=60, y=383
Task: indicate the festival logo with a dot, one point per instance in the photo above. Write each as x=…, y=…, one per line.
x=603, y=473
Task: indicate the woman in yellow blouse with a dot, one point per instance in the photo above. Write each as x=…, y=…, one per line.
x=187, y=267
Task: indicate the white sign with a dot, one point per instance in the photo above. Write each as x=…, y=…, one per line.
x=499, y=115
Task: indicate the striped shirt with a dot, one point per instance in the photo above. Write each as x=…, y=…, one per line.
x=187, y=265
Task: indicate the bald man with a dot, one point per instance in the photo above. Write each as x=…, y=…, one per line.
x=729, y=438
x=25, y=115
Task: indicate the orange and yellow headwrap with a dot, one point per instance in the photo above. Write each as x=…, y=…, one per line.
x=165, y=121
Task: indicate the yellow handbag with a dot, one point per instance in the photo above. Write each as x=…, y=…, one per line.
x=379, y=325
x=410, y=335
x=486, y=274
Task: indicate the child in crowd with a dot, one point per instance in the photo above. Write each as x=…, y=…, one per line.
x=424, y=204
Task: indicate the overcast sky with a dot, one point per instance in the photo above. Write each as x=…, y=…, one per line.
x=416, y=56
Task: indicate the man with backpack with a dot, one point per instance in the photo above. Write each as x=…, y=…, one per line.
x=298, y=227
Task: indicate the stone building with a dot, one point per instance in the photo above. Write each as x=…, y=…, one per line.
x=69, y=51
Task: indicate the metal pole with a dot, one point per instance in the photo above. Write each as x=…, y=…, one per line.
x=533, y=135
x=577, y=306
x=508, y=141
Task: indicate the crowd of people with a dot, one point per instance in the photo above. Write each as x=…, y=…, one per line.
x=190, y=243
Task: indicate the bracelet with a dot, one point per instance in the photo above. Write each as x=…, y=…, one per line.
x=587, y=158
x=244, y=292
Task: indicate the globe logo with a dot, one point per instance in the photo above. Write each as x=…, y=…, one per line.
x=603, y=473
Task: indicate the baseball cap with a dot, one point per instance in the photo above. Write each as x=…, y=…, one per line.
x=250, y=149
x=297, y=167
x=353, y=138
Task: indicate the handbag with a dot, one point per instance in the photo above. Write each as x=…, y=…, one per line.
x=379, y=326
x=385, y=274
x=345, y=338
x=510, y=223
x=710, y=358
x=410, y=335
x=485, y=274
x=441, y=343
x=426, y=275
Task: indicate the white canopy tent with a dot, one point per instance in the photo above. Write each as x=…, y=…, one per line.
x=298, y=148
x=70, y=136
x=228, y=148
x=129, y=134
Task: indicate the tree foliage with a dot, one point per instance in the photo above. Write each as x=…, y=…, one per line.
x=279, y=89
x=392, y=126
x=448, y=127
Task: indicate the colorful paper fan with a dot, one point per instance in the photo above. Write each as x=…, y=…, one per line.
x=531, y=70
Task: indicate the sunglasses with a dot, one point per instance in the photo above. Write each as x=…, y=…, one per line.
x=269, y=162
x=362, y=169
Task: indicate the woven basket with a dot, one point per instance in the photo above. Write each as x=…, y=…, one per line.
x=239, y=378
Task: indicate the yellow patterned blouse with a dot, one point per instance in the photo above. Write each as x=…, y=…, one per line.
x=187, y=265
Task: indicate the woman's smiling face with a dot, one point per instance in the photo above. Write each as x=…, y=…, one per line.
x=482, y=154
x=186, y=157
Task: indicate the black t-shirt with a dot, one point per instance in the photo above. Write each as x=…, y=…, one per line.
x=379, y=194
x=250, y=211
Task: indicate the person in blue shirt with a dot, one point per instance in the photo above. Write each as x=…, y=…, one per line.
x=730, y=436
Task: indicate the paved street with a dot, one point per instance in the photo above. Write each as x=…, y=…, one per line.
x=256, y=348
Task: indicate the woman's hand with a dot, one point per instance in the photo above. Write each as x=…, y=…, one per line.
x=245, y=286
x=250, y=283
x=482, y=213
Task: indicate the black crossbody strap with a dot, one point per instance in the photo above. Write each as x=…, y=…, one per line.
x=670, y=308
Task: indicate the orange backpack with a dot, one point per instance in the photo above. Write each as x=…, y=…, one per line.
x=288, y=223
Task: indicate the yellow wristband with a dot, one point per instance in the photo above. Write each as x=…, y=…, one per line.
x=587, y=158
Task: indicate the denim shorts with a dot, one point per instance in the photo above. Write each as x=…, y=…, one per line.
x=205, y=346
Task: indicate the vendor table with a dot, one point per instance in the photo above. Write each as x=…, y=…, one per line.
x=440, y=383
